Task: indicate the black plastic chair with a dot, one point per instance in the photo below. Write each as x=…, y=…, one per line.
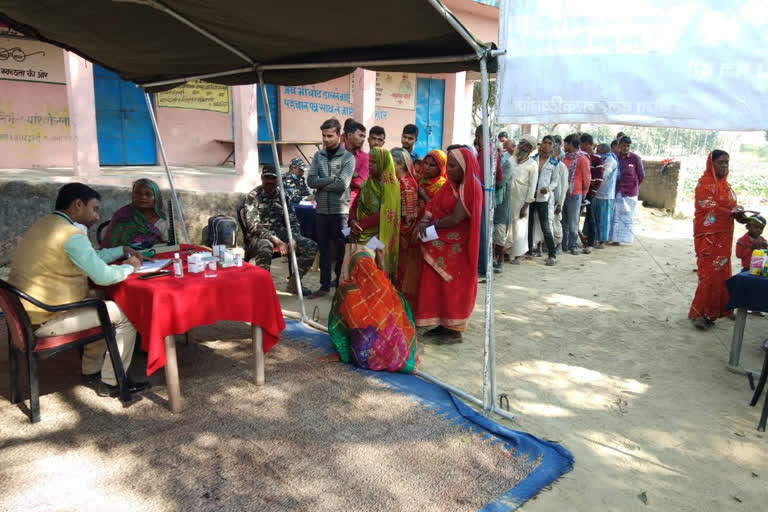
x=100, y=231
x=759, y=391
x=22, y=339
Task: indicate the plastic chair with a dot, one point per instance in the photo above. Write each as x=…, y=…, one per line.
x=246, y=238
x=100, y=231
x=22, y=339
x=759, y=391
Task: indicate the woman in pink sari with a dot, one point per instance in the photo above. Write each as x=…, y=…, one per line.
x=448, y=282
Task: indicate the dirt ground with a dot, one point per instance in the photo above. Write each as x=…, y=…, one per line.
x=597, y=354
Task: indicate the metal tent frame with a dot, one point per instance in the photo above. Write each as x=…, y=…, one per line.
x=483, y=55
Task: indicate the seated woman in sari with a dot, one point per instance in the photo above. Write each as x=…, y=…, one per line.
x=376, y=209
x=409, y=257
x=433, y=177
x=448, y=282
x=715, y=211
x=140, y=224
x=370, y=322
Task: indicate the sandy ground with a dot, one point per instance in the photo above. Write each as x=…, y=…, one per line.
x=597, y=354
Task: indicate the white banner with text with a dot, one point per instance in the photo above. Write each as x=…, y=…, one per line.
x=687, y=64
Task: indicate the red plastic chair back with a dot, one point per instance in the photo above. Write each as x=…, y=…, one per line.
x=11, y=306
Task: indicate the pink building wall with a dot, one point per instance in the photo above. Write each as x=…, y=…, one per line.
x=189, y=136
x=34, y=125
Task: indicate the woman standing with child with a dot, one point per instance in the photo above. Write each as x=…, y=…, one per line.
x=716, y=210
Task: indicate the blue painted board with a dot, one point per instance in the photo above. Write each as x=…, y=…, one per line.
x=430, y=99
x=265, y=150
x=124, y=128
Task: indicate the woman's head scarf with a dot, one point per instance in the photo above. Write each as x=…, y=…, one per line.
x=130, y=227
x=432, y=185
x=383, y=184
x=471, y=197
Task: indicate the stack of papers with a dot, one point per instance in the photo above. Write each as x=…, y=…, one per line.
x=153, y=266
x=431, y=234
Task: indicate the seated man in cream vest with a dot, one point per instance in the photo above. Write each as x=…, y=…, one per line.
x=53, y=263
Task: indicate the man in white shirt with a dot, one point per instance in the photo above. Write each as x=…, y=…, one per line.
x=547, y=183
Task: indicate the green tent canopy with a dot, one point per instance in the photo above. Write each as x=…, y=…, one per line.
x=146, y=42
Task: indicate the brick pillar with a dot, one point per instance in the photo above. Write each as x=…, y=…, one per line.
x=364, y=97
x=246, y=119
x=82, y=116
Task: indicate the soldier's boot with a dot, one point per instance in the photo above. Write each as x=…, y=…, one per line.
x=291, y=287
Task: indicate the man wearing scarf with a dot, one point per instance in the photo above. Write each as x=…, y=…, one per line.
x=520, y=175
x=579, y=178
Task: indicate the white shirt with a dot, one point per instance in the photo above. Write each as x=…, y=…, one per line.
x=548, y=178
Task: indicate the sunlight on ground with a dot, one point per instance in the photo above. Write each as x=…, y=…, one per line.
x=577, y=302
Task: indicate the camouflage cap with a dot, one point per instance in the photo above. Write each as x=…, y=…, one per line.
x=300, y=163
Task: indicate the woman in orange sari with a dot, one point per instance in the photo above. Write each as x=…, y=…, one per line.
x=409, y=257
x=433, y=177
x=716, y=209
x=448, y=283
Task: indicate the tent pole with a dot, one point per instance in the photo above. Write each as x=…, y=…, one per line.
x=286, y=215
x=213, y=37
x=457, y=26
x=179, y=214
x=316, y=65
x=489, y=345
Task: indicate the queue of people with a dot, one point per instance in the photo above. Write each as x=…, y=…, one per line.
x=547, y=187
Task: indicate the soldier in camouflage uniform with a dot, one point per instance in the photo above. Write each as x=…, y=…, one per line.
x=294, y=184
x=266, y=227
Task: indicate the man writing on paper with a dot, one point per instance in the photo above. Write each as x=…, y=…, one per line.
x=266, y=226
x=53, y=263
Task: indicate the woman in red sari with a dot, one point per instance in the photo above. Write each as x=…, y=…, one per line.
x=409, y=257
x=448, y=283
x=432, y=179
x=713, y=239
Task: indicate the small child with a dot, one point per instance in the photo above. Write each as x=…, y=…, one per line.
x=751, y=240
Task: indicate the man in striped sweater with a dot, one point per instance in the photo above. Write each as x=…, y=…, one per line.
x=330, y=175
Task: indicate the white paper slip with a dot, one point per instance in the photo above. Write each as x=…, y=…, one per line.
x=153, y=266
x=430, y=235
x=346, y=231
x=305, y=203
x=374, y=243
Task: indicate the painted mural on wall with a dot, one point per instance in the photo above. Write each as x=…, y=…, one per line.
x=396, y=90
x=318, y=98
x=197, y=95
x=30, y=128
x=27, y=60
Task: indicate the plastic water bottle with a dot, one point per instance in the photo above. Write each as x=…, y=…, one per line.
x=178, y=269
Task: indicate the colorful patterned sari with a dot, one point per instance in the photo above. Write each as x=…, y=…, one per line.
x=130, y=227
x=713, y=241
x=448, y=284
x=432, y=185
x=380, y=195
x=370, y=323
x=409, y=256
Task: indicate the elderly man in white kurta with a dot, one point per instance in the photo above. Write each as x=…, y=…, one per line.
x=523, y=176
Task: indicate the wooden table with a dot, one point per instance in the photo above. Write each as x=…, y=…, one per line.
x=160, y=307
x=296, y=143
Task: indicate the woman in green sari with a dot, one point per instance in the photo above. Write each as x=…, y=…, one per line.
x=376, y=210
x=140, y=224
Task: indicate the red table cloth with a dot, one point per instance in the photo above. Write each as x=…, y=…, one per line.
x=166, y=305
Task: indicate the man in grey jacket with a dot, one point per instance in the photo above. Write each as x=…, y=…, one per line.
x=330, y=175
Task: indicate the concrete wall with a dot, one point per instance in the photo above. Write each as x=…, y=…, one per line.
x=189, y=136
x=24, y=202
x=661, y=190
x=34, y=125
